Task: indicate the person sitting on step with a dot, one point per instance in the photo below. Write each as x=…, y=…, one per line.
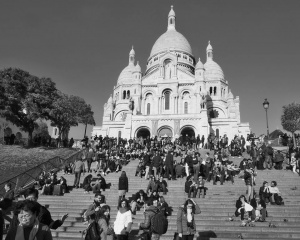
x=138, y=200
x=193, y=188
x=161, y=185
x=276, y=195
x=87, y=183
x=259, y=212
x=264, y=192
x=47, y=188
x=151, y=185
x=201, y=189
x=243, y=208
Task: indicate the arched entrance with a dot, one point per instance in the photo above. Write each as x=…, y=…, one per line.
x=165, y=132
x=143, y=132
x=187, y=133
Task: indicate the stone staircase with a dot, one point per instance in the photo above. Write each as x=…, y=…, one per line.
x=216, y=207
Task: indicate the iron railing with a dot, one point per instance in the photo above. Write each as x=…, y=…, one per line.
x=26, y=179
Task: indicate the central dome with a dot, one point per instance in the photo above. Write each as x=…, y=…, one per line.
x=172, y=40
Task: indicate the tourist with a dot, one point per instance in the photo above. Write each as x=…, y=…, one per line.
x=196, y=164
x=243, y=208
x=29, y=226
x=151, y=208
x=179, y=170
x=104, y=225
x=44, y=215
x=123, y=185
x=47, y=188
x=278, y=160
x=163, y=206
x=161, y=185
x=264, y=192
x=63, y=183
x=89, y=159
x=293, y=163
x=78, y=169
x=123, y=222
x=8, y=197
x=186, y=226
x=259, y=213
x=87, y=183
x=193, y=187
x=169, y=162
x=276, y=195
x=147, y=163
x=138, y=200
x=156, y=164
x=201, y=189
x=248, y=178
x=151, y=185
x=95, y=207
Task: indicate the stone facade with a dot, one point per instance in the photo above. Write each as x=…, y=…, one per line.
x=174, y=96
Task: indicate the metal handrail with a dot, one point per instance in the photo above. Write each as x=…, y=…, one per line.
x=26, y=179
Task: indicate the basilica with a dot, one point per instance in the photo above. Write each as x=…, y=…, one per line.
x=177, y=94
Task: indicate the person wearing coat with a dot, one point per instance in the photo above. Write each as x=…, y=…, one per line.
x=123, y=185
x=103, y=222
x=27, y=217
x=186, y=227
x=169, y=166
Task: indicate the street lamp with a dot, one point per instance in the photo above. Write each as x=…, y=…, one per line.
x=266, y=106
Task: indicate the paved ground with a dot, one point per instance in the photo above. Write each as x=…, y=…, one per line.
x=16, y=159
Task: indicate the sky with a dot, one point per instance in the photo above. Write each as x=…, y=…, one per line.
x=84, y=45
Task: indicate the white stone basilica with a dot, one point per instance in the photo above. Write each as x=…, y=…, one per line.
x=174, y=96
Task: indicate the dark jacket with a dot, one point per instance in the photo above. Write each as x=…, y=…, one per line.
x=157, y=161
x=123, y=183
x=152, y=185
x=253, y=203
x=189, y=160
x=169, y=160
x=43, y=233
x=148, y=214
x=147, y=161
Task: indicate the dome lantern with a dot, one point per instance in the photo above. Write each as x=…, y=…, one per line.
x=209, y=51
x=171, y=19
x=131, y=56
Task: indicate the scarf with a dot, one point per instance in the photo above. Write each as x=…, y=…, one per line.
x=32, y=235
x=189, y=215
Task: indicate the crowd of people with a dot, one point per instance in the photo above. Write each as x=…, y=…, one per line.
x=161, y=160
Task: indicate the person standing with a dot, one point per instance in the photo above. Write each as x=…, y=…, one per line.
x=186, y=226
x=78, y=169
x=123, y=222
x=123, y=185
x=147, y=163
x=157, y=162
x=169, y=166
x=29, y=224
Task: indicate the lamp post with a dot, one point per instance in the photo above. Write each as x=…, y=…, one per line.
x=266, y=106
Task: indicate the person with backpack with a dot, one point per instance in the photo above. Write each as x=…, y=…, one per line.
x=155, y=222
x=186, y=226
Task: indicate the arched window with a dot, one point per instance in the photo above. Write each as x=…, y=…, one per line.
x=148, y=108
x=200, y=89
x=128, y=94
x=124, y=94
x=167, y=100
x=186, y=107
x=215, y=90
x=171, y=21
x=210, y=90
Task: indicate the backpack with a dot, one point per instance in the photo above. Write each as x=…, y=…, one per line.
x=159, y=222
x=93, y=232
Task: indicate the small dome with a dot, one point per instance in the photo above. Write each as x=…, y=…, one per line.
x=171, y=39
x=138, y=67
x=209, y=47
x=132, y=52
x=126, y=74
x=171, y=13
x=199, y=65
x=213, y=70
